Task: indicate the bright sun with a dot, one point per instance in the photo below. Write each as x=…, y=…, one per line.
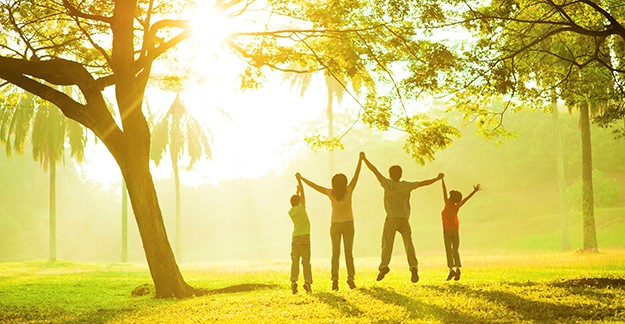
x=210, y=27
x=253, y=131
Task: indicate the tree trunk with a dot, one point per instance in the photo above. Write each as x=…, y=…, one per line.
x=178, y=213
x=124, y=223
x=132, y=153
x=165, y=273
x=590, y=236
x=52, y=251
x=565, y=243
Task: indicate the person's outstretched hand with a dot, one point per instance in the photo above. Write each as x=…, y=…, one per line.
x=477, y=187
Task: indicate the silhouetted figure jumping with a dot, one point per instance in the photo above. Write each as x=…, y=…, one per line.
x=342, y=222
x=397, y=206
x=300, y=242
x=449, y=215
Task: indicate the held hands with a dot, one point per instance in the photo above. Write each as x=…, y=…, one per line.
x=440, y=176
x=298, y=176
x=362, y=156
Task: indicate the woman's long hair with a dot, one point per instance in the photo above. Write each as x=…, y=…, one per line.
x=339, y=186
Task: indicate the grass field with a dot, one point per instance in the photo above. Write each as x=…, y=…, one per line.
x=536, y=287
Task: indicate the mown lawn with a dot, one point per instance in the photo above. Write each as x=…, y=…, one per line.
x=536, y=287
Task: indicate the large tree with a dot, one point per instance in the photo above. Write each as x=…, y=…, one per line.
x=528, y=50
x=93, y=46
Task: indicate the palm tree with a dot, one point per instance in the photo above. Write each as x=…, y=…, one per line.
x=50, y=132
x=183, y=134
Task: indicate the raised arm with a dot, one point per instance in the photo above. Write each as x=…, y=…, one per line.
x=300, y=190
x=352, y=184
x=476, y=188
x=430, y=181
x=372, y=167
x=314, y=185
x=445, y=194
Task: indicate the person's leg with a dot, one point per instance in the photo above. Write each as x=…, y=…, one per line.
x=294, y=261
x=455, y=242
x=449, y=254
x=308, y=280
x=348, y=241
x=447, y=238
x=388, y=239
x=306, y=260
x=335, y=235
x=294, y=265
x=406, y=234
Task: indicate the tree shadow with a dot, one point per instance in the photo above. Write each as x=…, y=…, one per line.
x=233, y=289
x=339, y=303
x=417, y=309
x=533, y=310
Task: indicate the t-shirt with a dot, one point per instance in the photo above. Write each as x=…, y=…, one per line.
x=341, y=209
x=450, y=217
x=301, y=224
x=397, y=197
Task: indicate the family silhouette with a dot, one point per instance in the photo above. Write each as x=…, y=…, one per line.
x=397, y=206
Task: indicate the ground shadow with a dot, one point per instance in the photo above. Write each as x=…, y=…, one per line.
x=601, y=283
x=418, y=309
x=339, y=303
x=48, y=314
x=233, y=289
x=531, y=310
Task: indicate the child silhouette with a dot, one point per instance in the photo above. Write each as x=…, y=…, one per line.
x=453, y=202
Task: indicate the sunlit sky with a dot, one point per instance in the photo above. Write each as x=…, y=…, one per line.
x=263, y=128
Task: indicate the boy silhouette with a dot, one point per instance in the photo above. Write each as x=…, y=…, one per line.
x=300, y=241
x=397, y=207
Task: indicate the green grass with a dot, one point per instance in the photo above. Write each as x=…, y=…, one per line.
x=525, y=287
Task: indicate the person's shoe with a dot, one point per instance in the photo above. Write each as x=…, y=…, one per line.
x=382, y=273
x=415, y=275
x=351, y=284
x=308, y=288
x=335, y=285
x=294, y=288
x=457, y=276
x=451, y=274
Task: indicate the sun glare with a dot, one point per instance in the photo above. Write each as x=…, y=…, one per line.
x=210, y=27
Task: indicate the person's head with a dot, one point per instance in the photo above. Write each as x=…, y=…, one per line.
x=455, y=196
x=339, y=186
x=295, y=200
x=395, y=172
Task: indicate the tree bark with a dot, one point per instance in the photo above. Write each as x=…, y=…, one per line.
x=52, y=251
x=565, y=243
x=588, y=209
x=178, y=211
x=165, y=273
x=124, y=222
